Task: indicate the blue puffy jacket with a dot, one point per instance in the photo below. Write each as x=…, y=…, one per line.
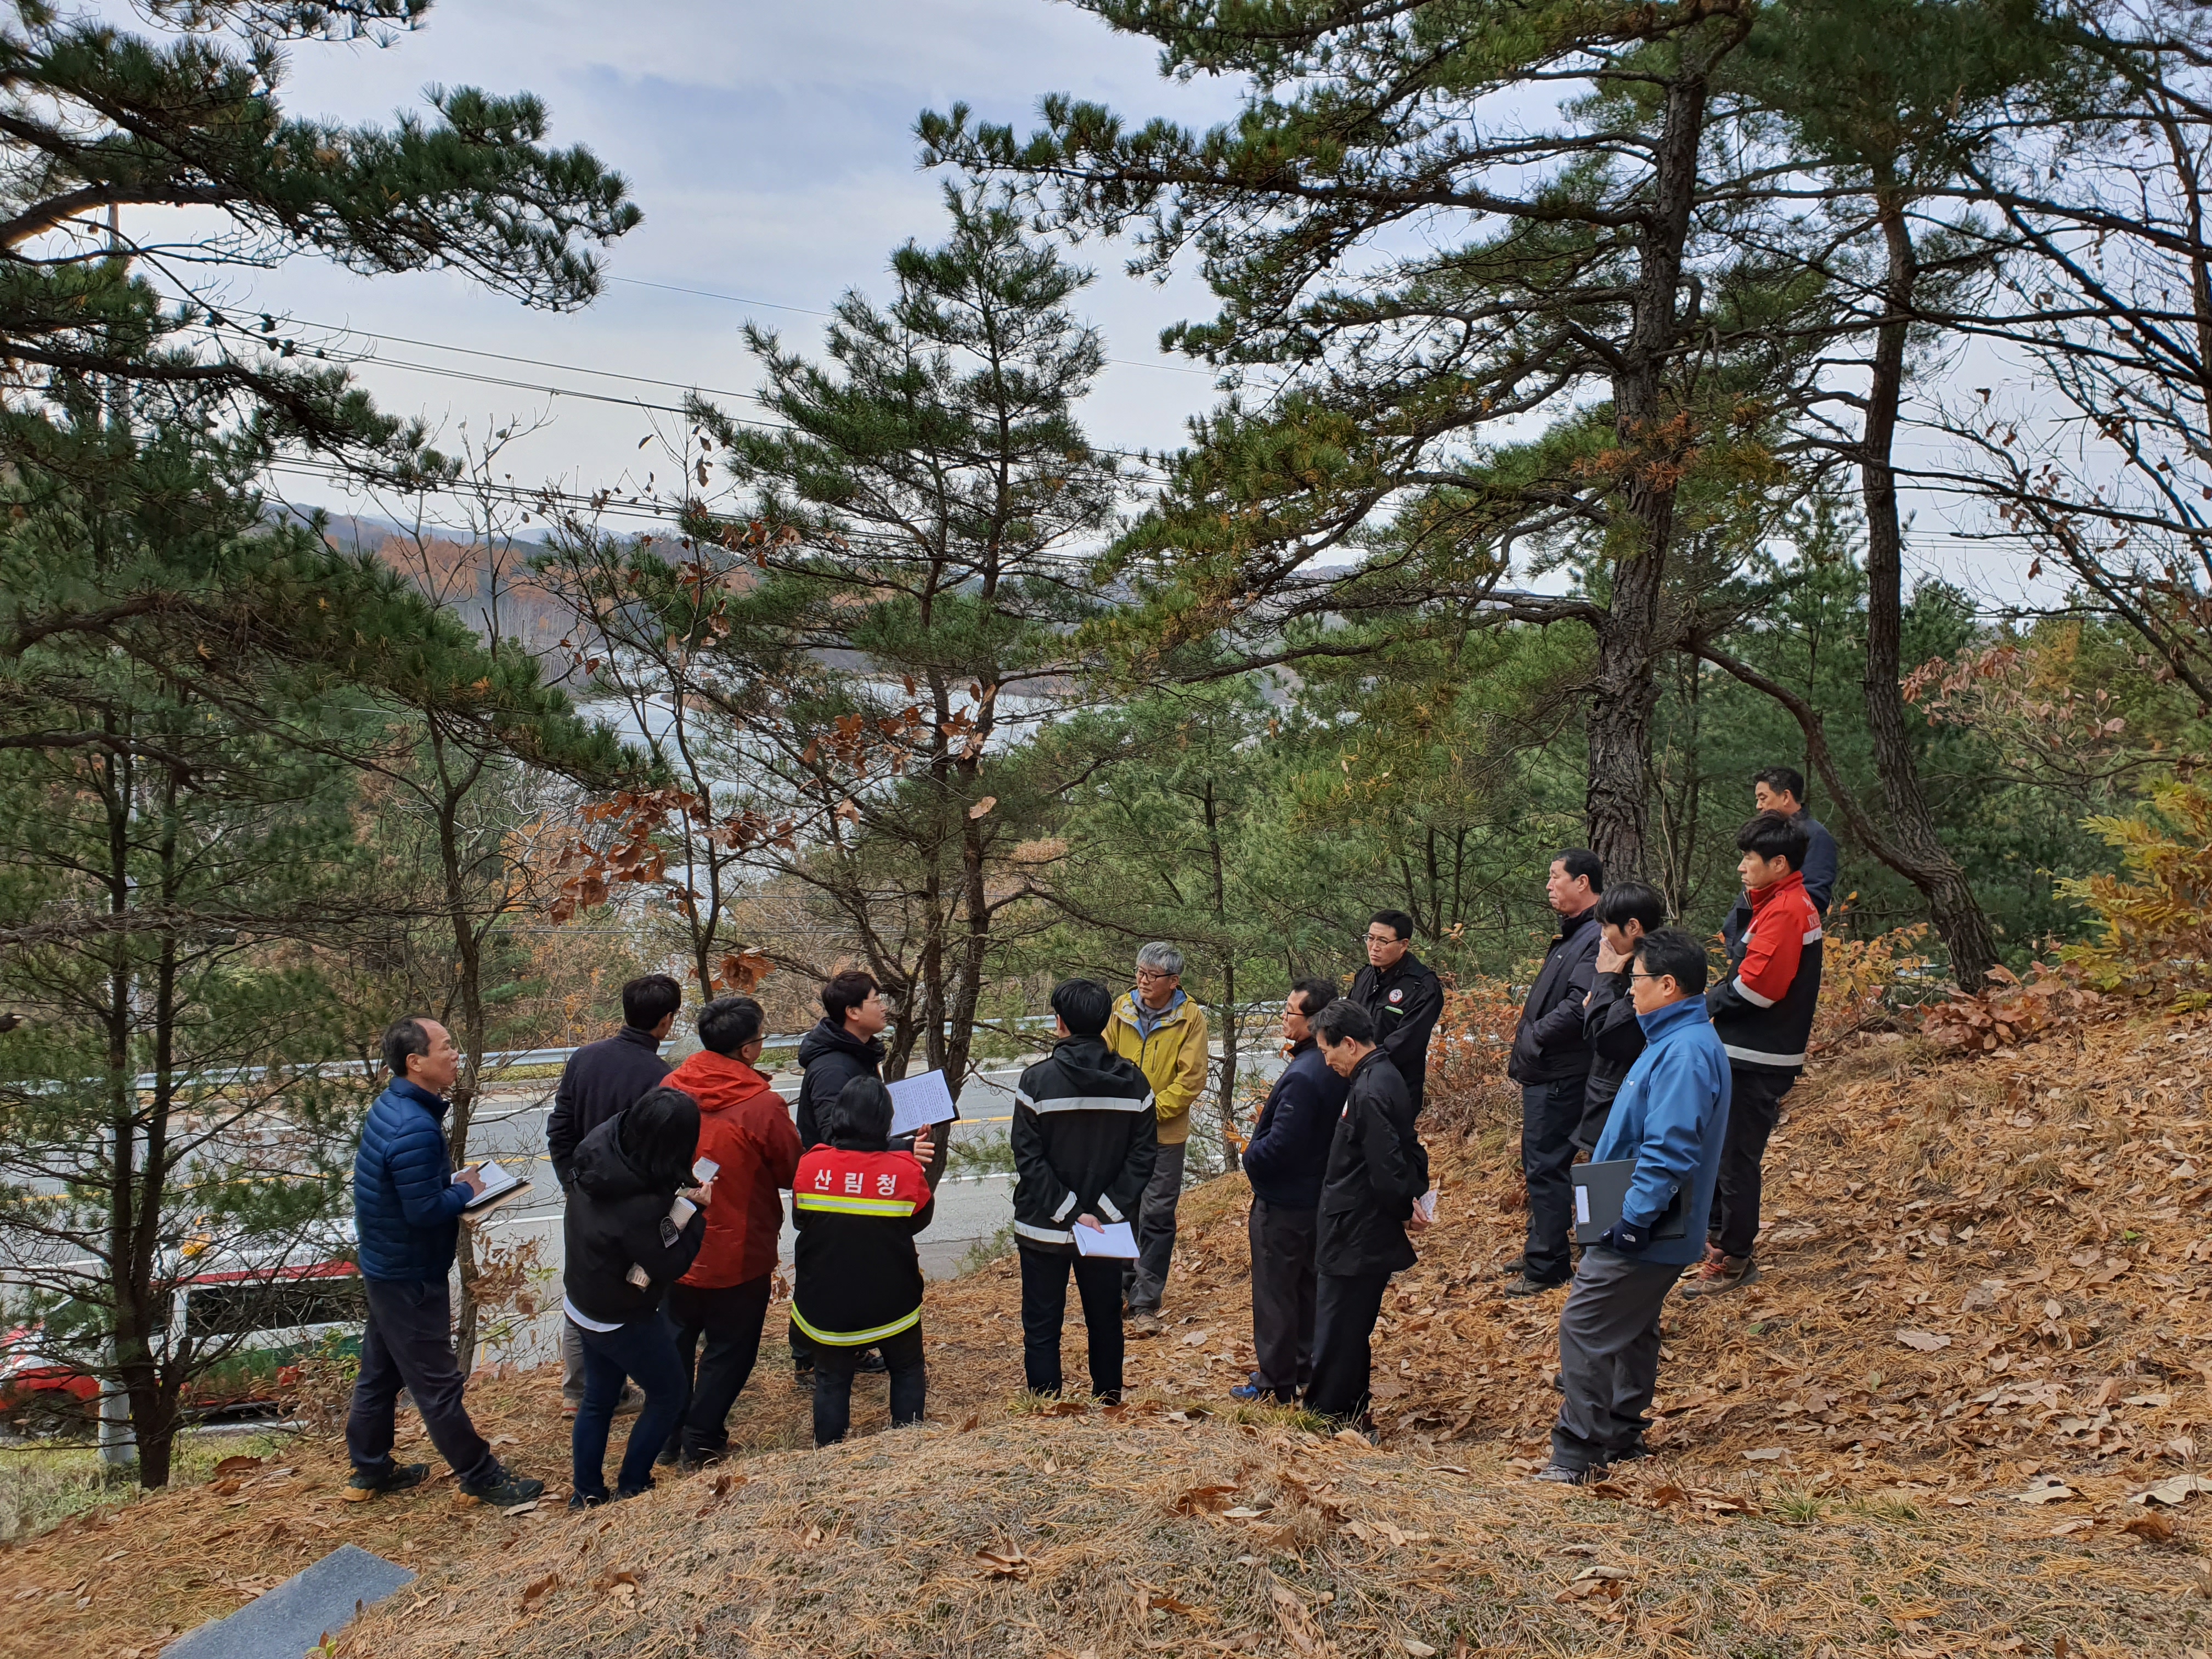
x=1671, y=1116
x=406, y=1205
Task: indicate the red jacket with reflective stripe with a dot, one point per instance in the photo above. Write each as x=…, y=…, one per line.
x=1763, y=1011
x=859, y=1279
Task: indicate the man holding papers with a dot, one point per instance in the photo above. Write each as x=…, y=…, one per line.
x=1084, y=1140
x=1371, y=1201
x=1669, y=1119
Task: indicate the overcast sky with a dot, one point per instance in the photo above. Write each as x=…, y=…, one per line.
x=771, y=148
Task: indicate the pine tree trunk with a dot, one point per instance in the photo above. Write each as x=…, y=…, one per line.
x=1637, y=633
x=1926, y=863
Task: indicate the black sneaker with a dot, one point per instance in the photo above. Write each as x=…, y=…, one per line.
x=362, y=1487
x=504, y=1490
x=1516, y=1268
x=1525, y=1286
x=583, y=1501
x=872, y=1364
x=802, y=1379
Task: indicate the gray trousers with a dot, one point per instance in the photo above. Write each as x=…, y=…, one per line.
x=1282, y=1296
x=1608, y=1356
x=1146, y=1279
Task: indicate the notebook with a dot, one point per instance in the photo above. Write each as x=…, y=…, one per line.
x=919, y=1102
x=499, y=1186
x=1599, y=1190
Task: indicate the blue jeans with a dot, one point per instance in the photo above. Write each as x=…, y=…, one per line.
x=645, y=1350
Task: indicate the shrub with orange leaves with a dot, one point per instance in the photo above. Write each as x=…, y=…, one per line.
x=2155, y=938
x=1468, y=1087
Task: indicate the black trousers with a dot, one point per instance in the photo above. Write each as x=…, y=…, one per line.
x=408, y=1343
x=728, y=1319
x=1754, y=1103
x=1044, y=1310
x=1283, y=1291
x=1608, y=1356
x=833, y=1383
x=1345, y=1307
x=1550, y=1115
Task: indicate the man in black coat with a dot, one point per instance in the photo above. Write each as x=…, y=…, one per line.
x=1626, y=913
x=1402, y=995
x=1285, y=1161
x=601, y=1080
x=1377, y=1174
x=847, y=1042
x=1551, y=1061
x=1085, y=1139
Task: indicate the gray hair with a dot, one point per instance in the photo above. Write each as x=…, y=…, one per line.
x=1163, y=958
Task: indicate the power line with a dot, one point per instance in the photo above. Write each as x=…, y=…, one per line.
x=807, y=311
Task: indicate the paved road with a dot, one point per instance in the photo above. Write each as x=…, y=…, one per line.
x=970, y=1208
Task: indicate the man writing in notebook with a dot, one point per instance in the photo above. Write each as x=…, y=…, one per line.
x=1669, y=1119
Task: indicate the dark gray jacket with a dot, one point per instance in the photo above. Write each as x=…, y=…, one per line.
x=1548, y=1044
x=1377, y=1167
x=600, y=1079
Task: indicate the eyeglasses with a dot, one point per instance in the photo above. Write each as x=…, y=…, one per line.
x=1633, y=973
x=1382, y=939
x=1148, y=975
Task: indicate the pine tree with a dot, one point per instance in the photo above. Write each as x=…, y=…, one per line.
x=1410, y=259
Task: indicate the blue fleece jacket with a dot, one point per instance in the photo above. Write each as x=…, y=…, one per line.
x=407, y=1206
x=1289, y=1152
x=1671, y=1116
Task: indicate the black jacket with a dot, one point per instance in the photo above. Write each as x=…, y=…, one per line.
x=618, y=1219
x=1405, y=1001
x=855, y=1277
x=600, y=1079
x=1822, y=861
x=831, y=1057
x=1377, y=1167
x=1548, y=1044
x=1085, y=1143
x=1289, y=1149
x=1615, y=1038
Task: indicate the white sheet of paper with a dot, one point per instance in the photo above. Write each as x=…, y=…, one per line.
x=1582, y=1207
x=705, y=1170
x=1114, y=1239
x=1426, y=1204
x=496, y=1180
x=919, y=1102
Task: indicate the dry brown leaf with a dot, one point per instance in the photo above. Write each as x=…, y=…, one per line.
x=983, y=806
x=1924, y=1342
x=2153, y=1527
x=1203, y=1497
x=238, y=1464
x=1004, y=1561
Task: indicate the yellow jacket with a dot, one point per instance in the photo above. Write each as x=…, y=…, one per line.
x=1173, y=1058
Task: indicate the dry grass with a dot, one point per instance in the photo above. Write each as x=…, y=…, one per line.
x=2039, y=1211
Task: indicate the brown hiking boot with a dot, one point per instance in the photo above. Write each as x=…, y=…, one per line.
x=1717, y=1274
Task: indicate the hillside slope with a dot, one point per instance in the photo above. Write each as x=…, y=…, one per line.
x=1987, y=1283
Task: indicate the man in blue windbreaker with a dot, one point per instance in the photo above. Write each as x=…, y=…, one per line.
x=407, y=1205
x=1670, y=1118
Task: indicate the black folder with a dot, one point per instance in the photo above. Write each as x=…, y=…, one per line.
x=1599, y=1190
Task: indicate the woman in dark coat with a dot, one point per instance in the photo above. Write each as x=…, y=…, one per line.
x=634, y=1223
